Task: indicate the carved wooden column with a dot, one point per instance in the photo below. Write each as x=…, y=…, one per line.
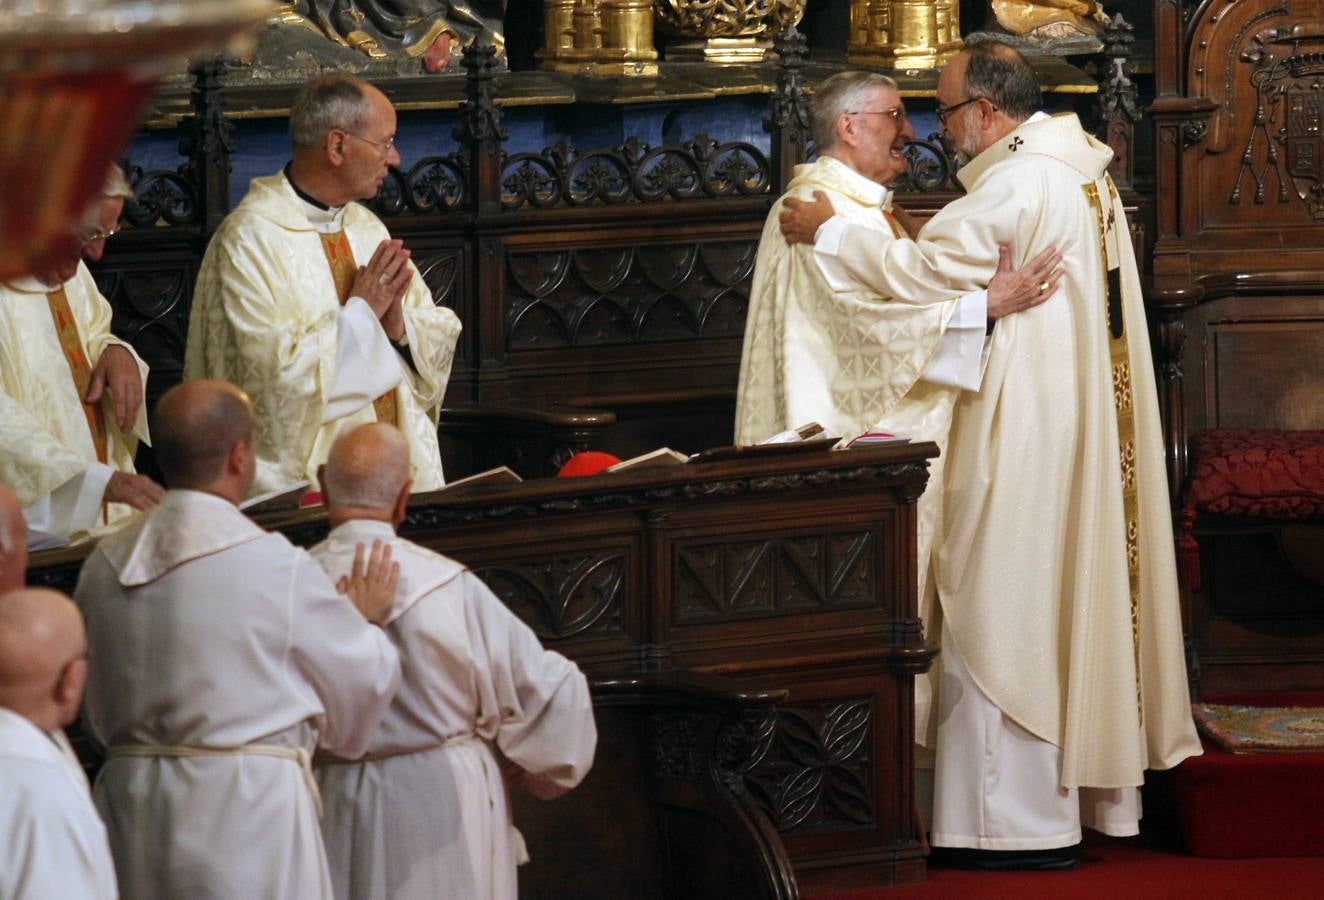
x=1116, y=108
x=479, y=129
x=789, y=122
x=207, y=140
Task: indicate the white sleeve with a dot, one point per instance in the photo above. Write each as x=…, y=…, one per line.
x=539, y=698
x=353, y=666
x=957, y=361
x=367, y=366
x=73, y=506
x=827, y=246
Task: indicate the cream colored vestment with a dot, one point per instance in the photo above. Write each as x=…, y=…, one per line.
x=207, y=633
x=266, y=315
x=426, y=814
x=1055, y=477
x=47, y=456
x=819, y=348
x=54, y=844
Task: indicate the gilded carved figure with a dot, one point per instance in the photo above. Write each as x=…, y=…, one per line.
x=430, y=30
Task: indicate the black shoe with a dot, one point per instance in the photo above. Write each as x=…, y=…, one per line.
x=1050, y=860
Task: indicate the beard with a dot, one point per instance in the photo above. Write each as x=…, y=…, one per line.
x=967, y=148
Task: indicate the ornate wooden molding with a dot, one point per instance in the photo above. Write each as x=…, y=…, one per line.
x=633, y=172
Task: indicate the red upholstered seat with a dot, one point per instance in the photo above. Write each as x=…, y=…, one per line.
x=1257, y=472
x=1251, y=472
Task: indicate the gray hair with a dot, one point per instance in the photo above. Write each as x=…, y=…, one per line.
x=332, y=101
x=116, y=185
x=842, y=93
x=1000, y=73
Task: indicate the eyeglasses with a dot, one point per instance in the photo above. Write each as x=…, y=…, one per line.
x=945, y=111
x=896, y=113
x=385, y=146
x=89, y=237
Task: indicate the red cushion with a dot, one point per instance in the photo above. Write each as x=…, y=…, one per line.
x=587, y=462
x=1257, y=472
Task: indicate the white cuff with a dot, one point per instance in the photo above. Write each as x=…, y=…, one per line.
x=957, y=361
x=827, y=246
x=366, y=364
x=73, y=506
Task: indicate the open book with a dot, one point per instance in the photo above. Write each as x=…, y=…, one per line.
x=44, y=540
x=662, y=456
x=877, y=438
x=275, y=501
x=810, y=431
x=499, y=475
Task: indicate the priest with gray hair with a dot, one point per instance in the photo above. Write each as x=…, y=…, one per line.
x=307, y=303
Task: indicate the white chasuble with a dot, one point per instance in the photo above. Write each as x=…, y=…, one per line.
x=45, y=434
x=837, y=352
x=424, y=813
x=267, y=316
x=221, y=658
x=1057, y=581
x=52, y=842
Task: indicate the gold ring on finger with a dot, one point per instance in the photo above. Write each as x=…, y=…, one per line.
x=1043, y=287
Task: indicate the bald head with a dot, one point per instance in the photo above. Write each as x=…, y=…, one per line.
x=195, y=430
x=42, y=656
x=366, y=471
x=13, y=542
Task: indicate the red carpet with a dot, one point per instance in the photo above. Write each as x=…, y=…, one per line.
x=1117, y=869
x=1244, y=805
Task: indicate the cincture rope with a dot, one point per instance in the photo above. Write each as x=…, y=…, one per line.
x=325, y=759
x=294, y=754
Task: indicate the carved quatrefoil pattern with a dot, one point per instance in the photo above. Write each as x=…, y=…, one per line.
x=628, y=295
x=564, y=597
x=819, y=773
x=736, y=579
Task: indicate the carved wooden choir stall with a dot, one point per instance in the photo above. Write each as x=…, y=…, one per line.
x=1238, y=304
x=603, y=289
x=789, y=576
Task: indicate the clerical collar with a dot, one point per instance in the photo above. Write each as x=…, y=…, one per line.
x=321, y=216
x=867, y=191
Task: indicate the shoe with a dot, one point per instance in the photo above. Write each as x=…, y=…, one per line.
x=1054, y=859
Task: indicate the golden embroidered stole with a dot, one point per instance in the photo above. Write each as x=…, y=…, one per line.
x=897, y=230
x=1107, y=220
x=66, y=329
x=340, y=257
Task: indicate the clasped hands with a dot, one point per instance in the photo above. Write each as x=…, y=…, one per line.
x=382, y=284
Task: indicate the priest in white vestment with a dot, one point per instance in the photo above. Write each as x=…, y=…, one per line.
x=222, y=656
x=424, y=813
x=1062, y=665
x=305, y=302
x=52, y=842
x=71, y=410
x=819, y=347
